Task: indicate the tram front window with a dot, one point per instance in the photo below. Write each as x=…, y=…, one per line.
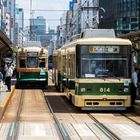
x=103, y=68
x=103, y=64
x=32, y=62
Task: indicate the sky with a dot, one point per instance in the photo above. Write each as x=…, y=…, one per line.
x=52, y=17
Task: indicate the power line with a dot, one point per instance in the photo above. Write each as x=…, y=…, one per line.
x=45, y=19
x=48, y=10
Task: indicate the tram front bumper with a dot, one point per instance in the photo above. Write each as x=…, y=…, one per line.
x=102, y=101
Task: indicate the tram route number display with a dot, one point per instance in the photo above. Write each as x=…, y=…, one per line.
x=32, y=54
x=104, y=49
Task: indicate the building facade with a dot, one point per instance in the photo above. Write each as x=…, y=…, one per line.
x=38, y=25
x=19, y=26
x=2, y=15
x=7, y=18
x=121, y=15
x=38, y=29
x=82, y=14
x=10, y=8
x=108, y=17
x=128, y=16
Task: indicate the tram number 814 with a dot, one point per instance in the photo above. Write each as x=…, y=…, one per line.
x=103, y=90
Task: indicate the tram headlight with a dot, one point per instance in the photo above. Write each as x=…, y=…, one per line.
x=126, y=90
x=126, y=83
x=83, y=89
x=42, y=73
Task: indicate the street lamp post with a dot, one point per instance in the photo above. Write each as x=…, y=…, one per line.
x=97, y=18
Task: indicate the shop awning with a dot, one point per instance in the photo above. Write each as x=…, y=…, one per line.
x=6, y=46
x=5, y=42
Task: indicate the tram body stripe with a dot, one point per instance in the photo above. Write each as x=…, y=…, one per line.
x=29, y=70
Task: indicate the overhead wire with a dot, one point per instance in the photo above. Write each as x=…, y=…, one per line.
x=45, y=19
x=47, y=10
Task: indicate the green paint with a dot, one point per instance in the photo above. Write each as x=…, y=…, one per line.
x=102, y=89
x=32, y=76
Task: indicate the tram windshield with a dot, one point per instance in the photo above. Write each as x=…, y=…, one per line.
x=103, y=61
x=32, y=62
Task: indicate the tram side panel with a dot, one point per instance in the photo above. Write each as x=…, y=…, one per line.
x=56, y=76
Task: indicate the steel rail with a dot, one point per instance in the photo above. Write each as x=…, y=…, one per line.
x=50, y=75
x=13, y=131
x=60, y=127
x=130, y=119
x=104, y=129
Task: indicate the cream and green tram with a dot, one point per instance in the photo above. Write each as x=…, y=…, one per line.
x=32, y=66
x=95, y=73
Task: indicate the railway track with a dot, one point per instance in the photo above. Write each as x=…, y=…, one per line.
x=34, y=115
x=118, y=125
x=84, y=125
x=28, y=117
x=13, y=131
x=14, y=128
x=113, y=126
x=130, y=117
x=61, y=129
x=111, y=135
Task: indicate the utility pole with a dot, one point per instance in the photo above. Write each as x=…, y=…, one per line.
x=95, y=8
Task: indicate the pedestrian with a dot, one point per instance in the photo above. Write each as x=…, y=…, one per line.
x=1, y=76
x=8, y=76
x=1, y=79
x=138, y=96
x=4, y=71
x=134, y=85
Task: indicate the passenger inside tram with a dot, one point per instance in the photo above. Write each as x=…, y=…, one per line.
x=103, y=68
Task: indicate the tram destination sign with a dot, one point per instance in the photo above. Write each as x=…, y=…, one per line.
x=104, y=49
x=32, y=54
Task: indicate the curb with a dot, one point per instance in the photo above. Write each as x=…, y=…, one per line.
x=5, y=102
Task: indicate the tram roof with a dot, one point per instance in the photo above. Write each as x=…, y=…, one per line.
x=55, y=52
x=33, y=49
x=101, y=41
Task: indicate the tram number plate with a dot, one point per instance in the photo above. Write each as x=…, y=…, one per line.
x=103, y=90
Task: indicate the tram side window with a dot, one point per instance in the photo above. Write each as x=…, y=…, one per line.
x=22, y=63
x=64, y=64
x=72, y=65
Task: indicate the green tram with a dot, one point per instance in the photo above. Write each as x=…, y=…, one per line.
x=32, y=66
x=94, y=73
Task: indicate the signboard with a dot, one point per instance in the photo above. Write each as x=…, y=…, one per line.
x=32, y=54
x=104, y=49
